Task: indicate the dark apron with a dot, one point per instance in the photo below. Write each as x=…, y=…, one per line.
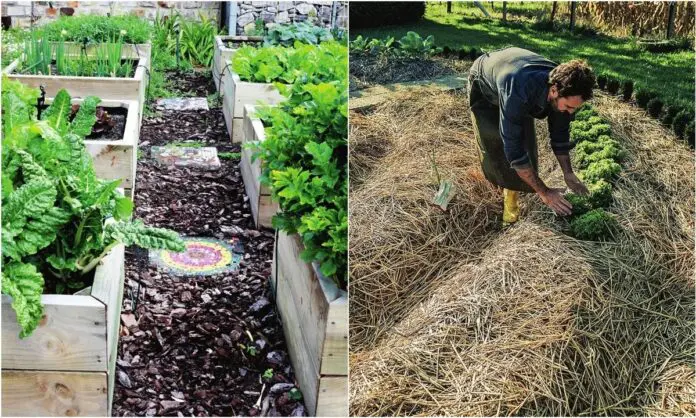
x=485, y=117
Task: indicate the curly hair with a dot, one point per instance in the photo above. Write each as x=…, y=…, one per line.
x=573, y=78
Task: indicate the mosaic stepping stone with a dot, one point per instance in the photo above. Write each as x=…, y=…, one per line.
x=203, y=257
x=183, y=103
x=203, y=157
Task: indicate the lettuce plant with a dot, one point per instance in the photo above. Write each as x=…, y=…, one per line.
x=595, y=225
x=55, y=209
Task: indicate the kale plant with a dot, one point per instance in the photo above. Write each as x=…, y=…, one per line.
x=59, y=220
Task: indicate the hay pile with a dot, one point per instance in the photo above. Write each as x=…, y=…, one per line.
x=451, y=315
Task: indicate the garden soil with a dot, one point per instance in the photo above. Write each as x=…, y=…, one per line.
x=452, y=314
x=184, y=340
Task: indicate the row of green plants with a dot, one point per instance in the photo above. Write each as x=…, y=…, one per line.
x=60, y=57
x=599, y=157
x=59, y=220
x=412, y=45
x=305, y=152
x=302, y=62
x=679, y=118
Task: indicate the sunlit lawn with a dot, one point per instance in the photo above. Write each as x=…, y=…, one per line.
x=671, y=75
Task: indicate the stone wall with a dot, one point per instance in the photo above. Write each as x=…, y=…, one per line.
x=21, y=11
x=319, y=12
x=248, y=12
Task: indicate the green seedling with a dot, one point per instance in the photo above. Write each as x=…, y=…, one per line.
x=446, y=189
x=295, y=394
x=230, y=155
x=268, y=374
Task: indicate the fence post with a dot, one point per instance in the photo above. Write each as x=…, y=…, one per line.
x=573, y=6
x=670, y=18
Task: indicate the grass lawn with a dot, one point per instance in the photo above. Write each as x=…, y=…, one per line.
x=671, y=75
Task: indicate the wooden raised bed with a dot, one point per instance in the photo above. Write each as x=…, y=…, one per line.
x=67, y=366
x=262, y=206
x=236, y=94
x=223, y=54
x=314, y=312
x=117, y=159
x=107, y=88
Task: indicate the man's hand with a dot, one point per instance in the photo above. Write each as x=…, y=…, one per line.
x=554, y=199
x=575, y=184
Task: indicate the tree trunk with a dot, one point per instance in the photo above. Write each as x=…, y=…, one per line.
x=504, y=11
x=573, y=6
x=449, y=7
x=670, y=19
x=554, y=9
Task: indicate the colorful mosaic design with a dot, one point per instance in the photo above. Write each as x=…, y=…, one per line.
x=203, y=257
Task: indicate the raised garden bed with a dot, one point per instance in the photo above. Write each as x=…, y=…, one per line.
x=67, y=366
x=116, y=158
x=225, y=48
x=107, y=88
x=262, y=207
x=314, y=312
x=236, y=94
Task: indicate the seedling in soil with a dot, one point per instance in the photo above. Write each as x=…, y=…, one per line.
x=215, y=100
x=295, y=394
x=229, y=155
x=268, y=374
x=446, y=189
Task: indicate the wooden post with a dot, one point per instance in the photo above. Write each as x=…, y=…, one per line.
x=449, y=7
x=670, y=18
x=573, y=6
x=554, y=9
x=504, y=11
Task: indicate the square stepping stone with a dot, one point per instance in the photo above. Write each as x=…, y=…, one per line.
x=204, y=157
x=183, y=103
x=202, y=257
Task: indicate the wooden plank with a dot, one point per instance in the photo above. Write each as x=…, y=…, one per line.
x=71, y=336
x=251, y=192
x=237, y=130
x=334, y=356
x=306, y=372
x=42, y=393
x=223, y=54
x=254, y=94
x=333, y=397
x=108, y=289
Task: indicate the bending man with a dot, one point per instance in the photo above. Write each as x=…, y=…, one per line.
x=508, y=89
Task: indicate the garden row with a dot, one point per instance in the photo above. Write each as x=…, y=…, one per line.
x=285, y=99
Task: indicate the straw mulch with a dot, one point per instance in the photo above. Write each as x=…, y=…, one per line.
x=452, y=315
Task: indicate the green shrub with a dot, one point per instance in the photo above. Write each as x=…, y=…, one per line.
x=602, y=81
x=585, y=112
x=680, y=122
x=94, y=29
x=643, y=96
x=463, y=54
x=580, y=204
x=589, y=152
x=601, y=170
x=613, y=85
x=669, y=113
x=689, y=134
x=600, y=194
x=595, y=225
x=627, y=90
x=655, y=107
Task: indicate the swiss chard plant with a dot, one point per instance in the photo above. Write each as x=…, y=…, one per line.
x=59, y=220
x=305, y=165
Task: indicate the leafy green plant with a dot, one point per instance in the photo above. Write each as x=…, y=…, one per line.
x=305, y=161
x=681, y=120
x=583, y=131
x=90, y=29
x=689, y=134
x=605, y=147
x=595, y=225
x=627, y=90
x=37, y=55
x=305, y=63
x=230, y=155
x=295, y=394
x=613, y=85
x=655, y=107
x=414, y=45
x=605, y=170
x=643, y=96
x=602, y=81
x=56, y=212
x=305, y=32
x=268, y=374
x=670, y=111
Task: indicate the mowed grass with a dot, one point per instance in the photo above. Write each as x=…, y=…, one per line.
x=671, y=75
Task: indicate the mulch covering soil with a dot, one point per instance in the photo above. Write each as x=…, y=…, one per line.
x=366, y=71
x=185, y=341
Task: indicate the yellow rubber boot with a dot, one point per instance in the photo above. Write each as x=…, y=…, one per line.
x=511, y=209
